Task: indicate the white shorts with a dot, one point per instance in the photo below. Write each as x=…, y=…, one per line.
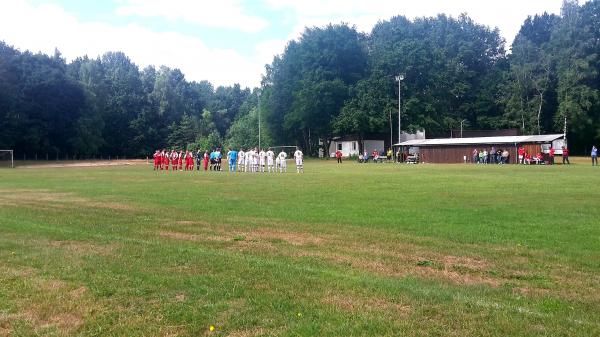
x=298, y=162
x=282, y=163
x=270, y=161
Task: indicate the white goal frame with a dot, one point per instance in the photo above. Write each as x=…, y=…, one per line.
x=12, y=157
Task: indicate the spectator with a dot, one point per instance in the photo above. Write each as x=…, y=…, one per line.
x=499, y=156
x=539, y=158
x=360, y=158
x=505, y=156
x=389, y=154
x=399, y=155
x=565, y=155
x=375, y=156
x=475, y=156
x=527, y=158
x=338, y=155
x=365, y=157
x=485, y=156
x=521, y=153
x=594, y=156
x=551, y=153
x=493, y=155
x=480, y=157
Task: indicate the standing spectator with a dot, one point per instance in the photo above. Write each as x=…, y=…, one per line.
x=565, y=155
x=475, y=156
x=366, y=156
x=480, y=157
x=486, y=158
x=389, y=154
x=505, y=156
x=399, y=155
x=338, y=155
x=594, y=156
x=551, y=153
x=493, y=155
x=521, y=153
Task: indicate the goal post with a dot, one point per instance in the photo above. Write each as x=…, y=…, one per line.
x=7, y=158
x=289, y=149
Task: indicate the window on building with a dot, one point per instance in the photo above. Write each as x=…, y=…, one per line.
x=339, y=147
x=353, y=146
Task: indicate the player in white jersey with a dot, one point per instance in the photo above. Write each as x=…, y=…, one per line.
x=241, y=160
x=270, y=155
x=255, y=160
x=249, y=156
x=299, y=156
x=262, y=160
x=282, y=164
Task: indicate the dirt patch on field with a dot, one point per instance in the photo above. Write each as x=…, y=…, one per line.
x=353, y=303
x=91, y=163
x=293, y=238
x=84, y=248
x=45, y=199
x=190, y=237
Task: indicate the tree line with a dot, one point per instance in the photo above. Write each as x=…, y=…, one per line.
x=331, y=81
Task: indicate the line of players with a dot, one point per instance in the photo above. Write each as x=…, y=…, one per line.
x=253, y=160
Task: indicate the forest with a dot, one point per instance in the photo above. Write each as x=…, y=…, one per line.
x=333, y=80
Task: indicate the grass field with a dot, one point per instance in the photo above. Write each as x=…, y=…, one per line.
x=342, y=250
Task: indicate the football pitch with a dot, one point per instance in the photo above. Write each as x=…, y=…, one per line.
x=341, y=250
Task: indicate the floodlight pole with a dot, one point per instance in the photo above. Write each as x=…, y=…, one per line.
x=258, y=93
x=461, y=127
x=400, y=78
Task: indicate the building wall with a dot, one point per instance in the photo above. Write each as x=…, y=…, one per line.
x=348, y=148
x=455, y=154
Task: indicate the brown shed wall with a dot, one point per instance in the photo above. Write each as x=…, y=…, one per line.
x=454, y=154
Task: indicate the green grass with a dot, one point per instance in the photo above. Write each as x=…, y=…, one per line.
x=342, y=250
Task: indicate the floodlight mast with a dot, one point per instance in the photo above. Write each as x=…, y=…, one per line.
x=258, y=94
x=399, y=79
x=461, y=127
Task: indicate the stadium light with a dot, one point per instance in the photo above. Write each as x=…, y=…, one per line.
x=258, y=94
x=399, y=79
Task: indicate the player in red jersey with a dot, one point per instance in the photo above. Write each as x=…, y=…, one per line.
x=174, y=161
x=180, y=160
x=156, y=160
x=205, y=159
x=166, y=159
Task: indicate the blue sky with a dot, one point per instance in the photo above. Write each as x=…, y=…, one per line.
x=225, y=41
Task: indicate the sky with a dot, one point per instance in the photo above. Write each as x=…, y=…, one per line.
x=222, y=41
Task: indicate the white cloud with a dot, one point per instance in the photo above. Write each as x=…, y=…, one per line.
x=45, y=27
x=220, y=14
x=507, y=15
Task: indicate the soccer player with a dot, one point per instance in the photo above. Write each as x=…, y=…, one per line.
x=262, y=159
x=189, y=161
x=249, y=159
x=180, y=160
x=282, y=164
x=299, y=156
x=219, y=158
x=241, y=159
x=174, y=161
x=232, y=157
x=165, y=156
x=270, y=155
x=205, y=160
x=156, y=159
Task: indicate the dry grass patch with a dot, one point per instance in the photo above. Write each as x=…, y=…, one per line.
x=45, y=199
